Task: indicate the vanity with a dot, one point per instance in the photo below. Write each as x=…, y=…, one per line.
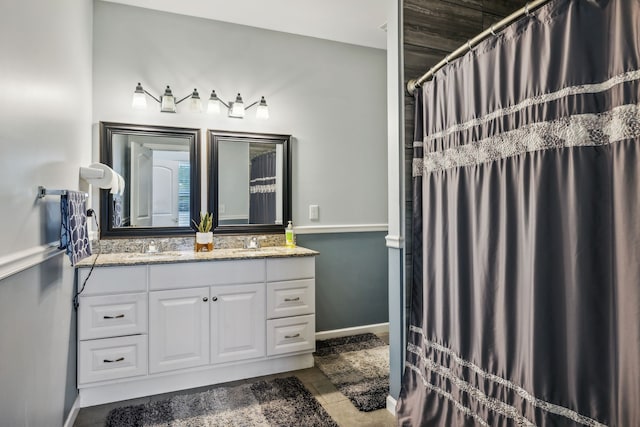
x=155, y=323
x=151, y=323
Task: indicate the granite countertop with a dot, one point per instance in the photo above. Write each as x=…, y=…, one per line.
x=137, y=258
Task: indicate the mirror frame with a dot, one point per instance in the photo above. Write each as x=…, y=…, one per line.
x=107, y=129
x=214, y=138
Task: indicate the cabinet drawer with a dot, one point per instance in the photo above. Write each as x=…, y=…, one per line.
x=112, y=358
x=112, y=315
x=291, y=298
x=194, y=274
x=291, y=268
x=113, y=280
x=291, y=334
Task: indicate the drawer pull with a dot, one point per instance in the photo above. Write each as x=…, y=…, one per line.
x=120, y=359
x=292, y=336
x=119, y=316
x=292, y=299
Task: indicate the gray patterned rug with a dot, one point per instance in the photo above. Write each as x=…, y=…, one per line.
x=277, y=402
x=358, y=366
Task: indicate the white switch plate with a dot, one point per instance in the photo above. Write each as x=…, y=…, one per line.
x=314, y=212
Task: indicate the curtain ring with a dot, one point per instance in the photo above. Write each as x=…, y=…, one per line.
x=468, y=44
x=446, y=59
x=526, y=9
x=492, y=31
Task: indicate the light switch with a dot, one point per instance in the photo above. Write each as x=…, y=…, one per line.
x=314, y=212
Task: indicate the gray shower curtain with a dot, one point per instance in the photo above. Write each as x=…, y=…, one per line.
x=527, y=311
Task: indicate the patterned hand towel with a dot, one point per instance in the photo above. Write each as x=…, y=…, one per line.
x=74, y=236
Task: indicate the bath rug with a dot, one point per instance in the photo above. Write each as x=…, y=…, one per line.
x=358, y=366
x=276, y=402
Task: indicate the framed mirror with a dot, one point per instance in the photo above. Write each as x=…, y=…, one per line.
x=249, y=182
x=161, y=169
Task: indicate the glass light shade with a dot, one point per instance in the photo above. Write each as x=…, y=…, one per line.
x=237, y=107
x=195, y=105
x=213, y=106
x=263, y=110
x=237, y=110
x=167, y=102
x=139, y=101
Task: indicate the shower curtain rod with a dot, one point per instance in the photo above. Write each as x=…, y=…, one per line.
x=526, y=10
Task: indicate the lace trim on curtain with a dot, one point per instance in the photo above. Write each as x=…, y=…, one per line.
x=536, y=100
x=253, y=189
x=579, y=130
x=465, y=410
x=491, y=403
x=267, y=178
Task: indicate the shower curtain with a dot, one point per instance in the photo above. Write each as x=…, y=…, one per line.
x=526, y=310
x=262, y=189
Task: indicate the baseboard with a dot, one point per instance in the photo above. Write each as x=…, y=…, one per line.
x=391, y=405
x=73, y=413
x=377, y=328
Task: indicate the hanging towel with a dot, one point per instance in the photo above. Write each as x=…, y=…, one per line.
x=117, y=211
x=74, y=236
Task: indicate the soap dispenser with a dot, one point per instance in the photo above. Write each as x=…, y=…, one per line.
x=289, y=236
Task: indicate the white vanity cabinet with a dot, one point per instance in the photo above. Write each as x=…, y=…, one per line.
x=112, y=324
x=153, y=328
x=178, y=329
x=237, y=322
x=291, y=323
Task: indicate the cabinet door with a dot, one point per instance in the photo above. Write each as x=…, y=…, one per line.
x=238, y=322
x=178, y=329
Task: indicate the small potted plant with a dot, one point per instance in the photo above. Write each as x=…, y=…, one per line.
x=204, y=235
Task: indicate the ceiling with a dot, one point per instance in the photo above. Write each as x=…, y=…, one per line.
x=349, y=21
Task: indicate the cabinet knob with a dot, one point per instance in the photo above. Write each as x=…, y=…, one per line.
x=214, y=298
x=205, y=299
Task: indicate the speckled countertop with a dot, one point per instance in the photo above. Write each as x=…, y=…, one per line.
x=133, y=258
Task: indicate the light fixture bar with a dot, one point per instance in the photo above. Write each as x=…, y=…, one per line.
x=168, y=103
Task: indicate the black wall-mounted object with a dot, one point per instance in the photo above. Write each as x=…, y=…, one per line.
x=255, y=140
x=188, y=136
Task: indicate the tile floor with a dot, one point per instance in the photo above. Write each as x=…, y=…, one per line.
x=335, y=403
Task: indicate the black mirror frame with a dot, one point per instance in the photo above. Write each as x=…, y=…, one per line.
x=214, y=137
x=107, y=130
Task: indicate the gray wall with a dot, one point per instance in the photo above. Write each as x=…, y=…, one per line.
x=37, y=345
x=45, y=136
x=330, y=96
x=351, y=279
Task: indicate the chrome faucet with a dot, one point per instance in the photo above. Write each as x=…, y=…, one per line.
x=152, y=247
x=252, y=243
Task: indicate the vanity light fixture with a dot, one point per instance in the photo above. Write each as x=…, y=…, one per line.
x=167, y=101
x=236, y=108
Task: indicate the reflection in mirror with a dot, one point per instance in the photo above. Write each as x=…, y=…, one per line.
x=250, y=182
x=160, y=169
